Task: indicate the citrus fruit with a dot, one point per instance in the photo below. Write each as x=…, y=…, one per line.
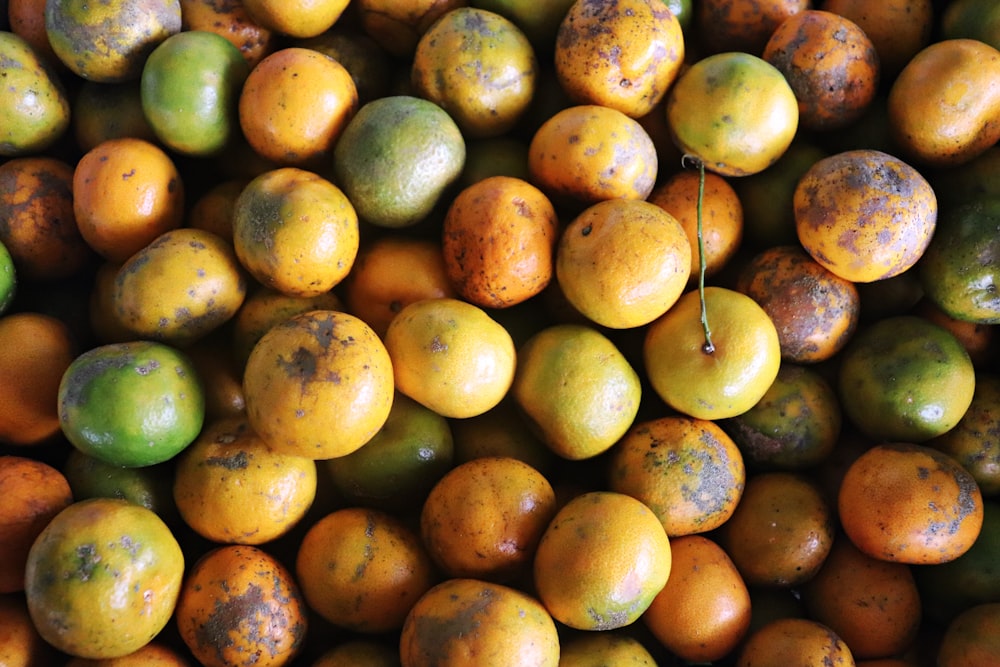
x=587, y=153
x=905, y=379
x=623, y=262
x=300, y=18
x=781, y=532
x=865, y=215
x=796, y=641
x=182, y=286
x=35, y=351
x=131, y=404
x=829, y=62
x=190, y=87
x=687, y=471
x=539, y=21
x=40, y=231
x=972, y=18
x=319, y=385
x=872, y=604
x=733, y=111
x=943, y=105
x=450, y=356
x=971, y=638
x=8, y=279
x=20, y=643
x=501, y=431
x=149, y=486
x=459, y=618
x=295, y=231
x=359, y=653
x=483, y=519
x=153, y=654
x=362, y=569
x=596, y=649
x=35, y=109
x=601, y=561
x=703, y=612
x=396, y=158
x=497, y=241
x=815, y=311
x=102, y=578
x=479, y=67
x=126, y=192
x=232, y=21
x=294, y=105
x=958, y=270
x=103, y=111
x=231, y=489
x=397, y=25
x=109, y=42
x=33, y=493
x=910, y=503
x=576, y=388
x=648, y=50
x=897, y=28
x=742, y=25
x=239, y=601
x=973, y=442
x=26, y=18
x=729, y=379
x=368, y=63
x=397, y=468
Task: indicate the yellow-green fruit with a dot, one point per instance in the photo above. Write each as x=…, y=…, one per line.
x=34, y=109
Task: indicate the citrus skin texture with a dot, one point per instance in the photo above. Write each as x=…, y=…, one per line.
x=131, y=404
x=34, y=109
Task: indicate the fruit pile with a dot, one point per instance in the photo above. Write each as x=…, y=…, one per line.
x=500, y=332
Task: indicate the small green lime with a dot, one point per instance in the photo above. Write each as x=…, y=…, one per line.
x=131, y=404
x=8, y=278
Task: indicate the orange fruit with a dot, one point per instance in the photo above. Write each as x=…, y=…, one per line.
x=300, y=18
x=391, y=272
x=35, y=109
x=459, y=620
x=648, y=46
x=230, y=20
x=450, y=356
x=33, y=493
x=623, y=262
x=576, y=388
x=109, y=43
x=910, y=503
x=973, y=441
x=587, y=153
x=131, y=404
x=126, y=192
x=703, y=612
x=479, y=67
x=944, y=103
x=396, y=25
x=359, y=653
x=213, y=209
x=370, y=65
x=872, y=604
x=103, y=111
x=295, y=231
x=501, y=431
x=240, y=601
x=39, y=230
x=101, y=314
x=595, y=649
x=35, y=351
x=498, y=239
x=601, y=561
x=865, y=215
x=897, y=28
x=20, y=643
x=319, y=385
x=102, y=578
x=971, y=638
x=294, y=106
x=26, y=19
x=722, y=217
x=979, y=340
x=732, y=111
x=484, y=518
x=815, y=311
x=794, y=641
x=180, y=287
x=687, y=471
x=830, y=63
x=230, y=488
x=781, y=532
x=362, y=569
x=149, y=486
x=905, y=379
x=722, y=382
x=153, y=654
x=741, y=25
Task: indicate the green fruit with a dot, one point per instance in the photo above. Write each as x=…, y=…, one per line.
x=150, y=487
x=960, y=270
x=972, y=19
x=8, y=279
x=34, y=109
x=190, y=90
x=131, y=404
x=395, y=159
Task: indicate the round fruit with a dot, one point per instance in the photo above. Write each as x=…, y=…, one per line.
x=190, y=88
x=796, y=641
x=102, y=578
x=296, y=18
x=34, y=109
x=601, y=561
x=972, y=638
x=897, y=28
x=975, y=440
x=734, y=112
x=131, y=404
x=742, y=25
x=8, y=278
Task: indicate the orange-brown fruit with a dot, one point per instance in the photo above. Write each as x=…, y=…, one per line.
x=742, y=25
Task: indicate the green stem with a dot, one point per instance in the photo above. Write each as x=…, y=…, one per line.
x=708, y=347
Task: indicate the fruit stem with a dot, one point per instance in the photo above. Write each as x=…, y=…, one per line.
x=707, y=347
